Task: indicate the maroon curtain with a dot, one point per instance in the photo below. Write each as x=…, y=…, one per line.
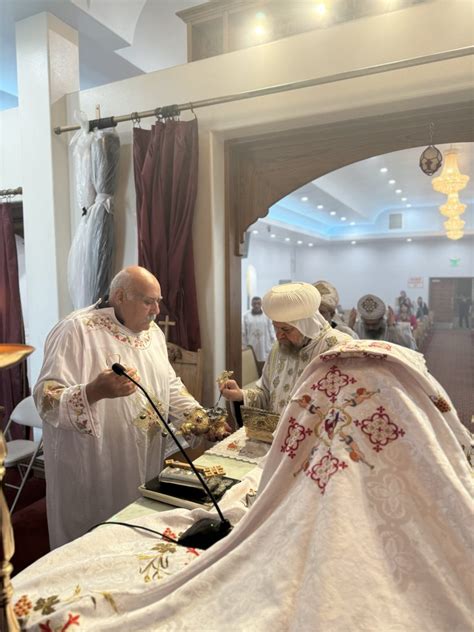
x=166, y=169
x=13, y=382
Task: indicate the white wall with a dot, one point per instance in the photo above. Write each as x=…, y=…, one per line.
x=11, y=175
x=272, y=262
x=378, y=267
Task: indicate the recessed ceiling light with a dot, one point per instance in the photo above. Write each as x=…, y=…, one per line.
x=259, y=30
x=404, y=199
x=391, y=181
x=343, y=219
x=304, y=198
x=287, y=239
x=273, y=235
x=320, y=206
x=409, y=239
x=383, y=170
x=398, y=191
x=408, y=205
x=353, y=243
x=352, y=224
x=332, y=213
x=299, y=242
x=310, y=245
x=255, y=232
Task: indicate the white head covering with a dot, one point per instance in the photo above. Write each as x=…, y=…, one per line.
x=296, y=304
x=329, y=295
x=371, y=307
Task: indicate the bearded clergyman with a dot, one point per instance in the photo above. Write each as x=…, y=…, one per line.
x=302, y=334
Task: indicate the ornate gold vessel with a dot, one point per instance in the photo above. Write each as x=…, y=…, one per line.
x=259, y=424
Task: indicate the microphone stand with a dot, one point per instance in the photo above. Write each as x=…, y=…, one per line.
x=207, y=531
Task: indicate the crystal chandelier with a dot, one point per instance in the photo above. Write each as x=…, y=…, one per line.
x=451, y=179
x=454, y=234
x=453, y=207
x=454, y=228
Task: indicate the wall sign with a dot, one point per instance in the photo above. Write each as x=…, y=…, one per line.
x=416, y=282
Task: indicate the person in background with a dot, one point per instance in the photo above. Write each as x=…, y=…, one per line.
x=328, y=307
x=405, y=316
x=464, y=310
x=403, y=300
x=421, y=308
x=258, y=332
x=373, y=324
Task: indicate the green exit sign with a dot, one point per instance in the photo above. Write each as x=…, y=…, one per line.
x=455, y=261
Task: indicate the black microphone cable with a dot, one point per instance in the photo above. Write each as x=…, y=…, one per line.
x=225, y=526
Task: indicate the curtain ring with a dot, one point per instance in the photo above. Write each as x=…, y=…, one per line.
x=192, y=110
x=158, y=114
x=136, y=119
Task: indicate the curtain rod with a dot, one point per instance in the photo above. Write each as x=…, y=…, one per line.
x=174, y=110
x=10, y=192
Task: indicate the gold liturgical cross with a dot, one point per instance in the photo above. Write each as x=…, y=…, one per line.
x=167, y=324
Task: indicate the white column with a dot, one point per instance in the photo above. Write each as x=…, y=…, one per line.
x=48, y=69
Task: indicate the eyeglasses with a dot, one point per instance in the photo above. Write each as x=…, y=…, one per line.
x=147, y=300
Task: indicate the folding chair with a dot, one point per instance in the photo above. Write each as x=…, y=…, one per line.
x=22, y=452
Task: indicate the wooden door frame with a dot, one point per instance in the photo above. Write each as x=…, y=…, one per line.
x=262, y=169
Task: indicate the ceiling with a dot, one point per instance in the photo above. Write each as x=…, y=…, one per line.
x=355, y=202
x=118, y=39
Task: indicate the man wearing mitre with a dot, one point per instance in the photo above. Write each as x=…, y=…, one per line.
x=302, y=334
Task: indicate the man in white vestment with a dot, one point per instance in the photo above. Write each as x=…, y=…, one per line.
x=258, y=332
x=102, y=438
x=373, y=324
x=302, y=334
x=327, y=309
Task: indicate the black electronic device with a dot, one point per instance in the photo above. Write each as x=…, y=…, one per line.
x=203, y=533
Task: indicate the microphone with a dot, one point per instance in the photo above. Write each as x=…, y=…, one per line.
x=207, y=531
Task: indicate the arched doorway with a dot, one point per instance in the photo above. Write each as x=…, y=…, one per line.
x=262, y=169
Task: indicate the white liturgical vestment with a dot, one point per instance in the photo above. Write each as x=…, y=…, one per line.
x=258, y=332
x=97, y=455
x=362, y=522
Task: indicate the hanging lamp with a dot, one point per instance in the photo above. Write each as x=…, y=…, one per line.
x=453, y=207
x=451, y=179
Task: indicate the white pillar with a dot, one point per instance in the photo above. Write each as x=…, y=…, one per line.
x=48, y=69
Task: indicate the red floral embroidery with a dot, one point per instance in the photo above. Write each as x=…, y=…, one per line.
x=170, y=534
x=322, y=471
x=79, y=417
x=101, y=321
x=375, y=356
x=380, y=430
x=381, y=345
x=326, y=357
x=332, y=383
x=72, y=620
x=296, y=434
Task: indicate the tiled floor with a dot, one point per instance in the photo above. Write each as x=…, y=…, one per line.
x=450, y=358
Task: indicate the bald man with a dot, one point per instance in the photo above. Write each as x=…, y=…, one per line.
x=102, y=438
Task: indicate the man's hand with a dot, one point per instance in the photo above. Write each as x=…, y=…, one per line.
x=352, y=318
x=232, y=391
x=219, y=433
x=109, y=385
x=391, y=320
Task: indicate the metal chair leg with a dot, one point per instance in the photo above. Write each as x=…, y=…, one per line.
x=25, y=478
